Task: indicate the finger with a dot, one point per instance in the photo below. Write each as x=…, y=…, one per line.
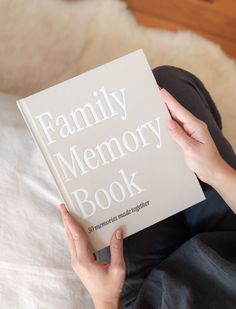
x=83, y=250
x=69, y=236
x=177, y=111
x=71, y=243
x=179, y=135
x=116, y=248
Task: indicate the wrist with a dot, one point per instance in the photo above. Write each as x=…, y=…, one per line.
x=222, y=172
x=107, y=304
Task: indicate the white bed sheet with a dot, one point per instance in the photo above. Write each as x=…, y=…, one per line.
x=35, y=269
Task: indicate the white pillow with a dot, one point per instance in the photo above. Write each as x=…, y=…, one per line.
x=34, y=259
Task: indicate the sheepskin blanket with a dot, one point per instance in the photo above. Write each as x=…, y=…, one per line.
x=45, y=42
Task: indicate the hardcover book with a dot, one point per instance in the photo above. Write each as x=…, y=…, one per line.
x=105, y=139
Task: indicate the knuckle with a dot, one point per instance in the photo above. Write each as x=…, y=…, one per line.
x=188, y=148
x=67, y=216
x=122, y=270
x=75, y=236
x=119, y=269
x=74, y=264
x=115, y=246
x=202, y=125
x=77, y=263
x=67, y=233
x=80, y=261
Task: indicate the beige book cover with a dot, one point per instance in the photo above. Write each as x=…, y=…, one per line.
x=104, y=137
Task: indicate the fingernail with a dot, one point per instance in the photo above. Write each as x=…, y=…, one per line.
x=63, y=207
x=171, y=125
x=119, y=234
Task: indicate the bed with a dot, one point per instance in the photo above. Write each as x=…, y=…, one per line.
x=35, y=270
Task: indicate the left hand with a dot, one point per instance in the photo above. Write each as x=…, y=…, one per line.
x=192, y=135
x=104, y=281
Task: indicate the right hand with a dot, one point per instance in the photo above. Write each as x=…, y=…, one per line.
x=192, y=135
x=104, y=281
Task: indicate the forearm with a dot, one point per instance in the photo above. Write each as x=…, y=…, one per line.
x=224, y=183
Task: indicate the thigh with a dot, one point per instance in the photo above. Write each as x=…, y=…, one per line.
x=149, y=247
x=212, y=214
x=146, y=249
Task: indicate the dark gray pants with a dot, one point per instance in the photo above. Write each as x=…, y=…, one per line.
x=146, y=249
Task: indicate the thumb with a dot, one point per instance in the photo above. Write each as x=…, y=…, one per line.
x=179, y=135
x=116, y=248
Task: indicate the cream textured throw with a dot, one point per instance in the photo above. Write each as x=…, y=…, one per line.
x=44, y=42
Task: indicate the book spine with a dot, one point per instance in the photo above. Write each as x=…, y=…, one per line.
x=44, y=150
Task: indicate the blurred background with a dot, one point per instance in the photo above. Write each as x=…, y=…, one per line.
x=213, y=19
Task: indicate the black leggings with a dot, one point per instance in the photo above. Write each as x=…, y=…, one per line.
x=149, y=247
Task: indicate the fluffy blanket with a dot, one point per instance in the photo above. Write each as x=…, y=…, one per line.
x=44, y=42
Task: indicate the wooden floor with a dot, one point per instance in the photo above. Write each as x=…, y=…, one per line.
x=213, y=19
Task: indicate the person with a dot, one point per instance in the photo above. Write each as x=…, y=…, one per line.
x=187, y=260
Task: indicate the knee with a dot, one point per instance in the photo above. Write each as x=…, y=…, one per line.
x=164, y=70
x=166, y=75
x=187, y=89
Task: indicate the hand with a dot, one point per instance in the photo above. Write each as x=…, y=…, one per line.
x=104, y=281
x=192, y=135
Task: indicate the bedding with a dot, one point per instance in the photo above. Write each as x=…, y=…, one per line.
x=35, y=270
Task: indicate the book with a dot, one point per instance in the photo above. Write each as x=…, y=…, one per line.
x=105, y=139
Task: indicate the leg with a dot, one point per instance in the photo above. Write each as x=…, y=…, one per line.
x=191, y=93
x=213, y=213
x=146, y=249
